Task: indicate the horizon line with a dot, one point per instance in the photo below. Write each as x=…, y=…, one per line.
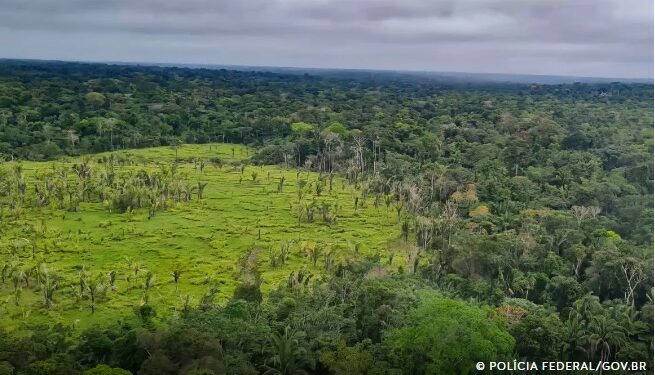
x=262, y=67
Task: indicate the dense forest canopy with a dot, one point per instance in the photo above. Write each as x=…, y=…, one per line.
x=524, y=216
x=580, y=144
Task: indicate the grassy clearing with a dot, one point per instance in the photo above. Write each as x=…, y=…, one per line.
x=207, y=238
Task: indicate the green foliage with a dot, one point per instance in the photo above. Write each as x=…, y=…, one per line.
x=535, y=200
x=446, y=336
x=95, y=98
x=538, y=334
x=106, y=370
x=355, y=360
x=301, y=127
x=6, y=368
x=248, y=292
x=337, y=128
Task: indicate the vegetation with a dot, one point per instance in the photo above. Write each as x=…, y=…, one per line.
x=372, y=224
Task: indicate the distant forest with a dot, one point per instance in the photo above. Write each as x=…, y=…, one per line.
x=525, y=215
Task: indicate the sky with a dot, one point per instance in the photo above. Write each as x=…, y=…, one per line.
x=593, y=38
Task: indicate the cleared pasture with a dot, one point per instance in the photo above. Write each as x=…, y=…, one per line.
x=248, y=217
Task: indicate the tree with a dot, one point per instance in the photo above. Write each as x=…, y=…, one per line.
x=133, y=269
x=95, y=99
x=605, y=338
x=632, y=273
x=201, y=189
x=538, y=334
x=148, y=283
x=72, y=137
x=95, y=287
x=301, y=127
x=107, y=124
x=6, y=368
x=351, y=360
x=176, y=143
x=288, y=357
x=446, y=336
x=48, y=287
x=158, y=364
x=176, y=272
x=574, y=338
x=582, y=213
x=106, y=370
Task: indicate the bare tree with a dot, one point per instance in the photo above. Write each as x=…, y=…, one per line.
x=358, y=153
x=72, y=137
x=582, y=213
x=424, y=231
x=414, y=199
x=633, y=273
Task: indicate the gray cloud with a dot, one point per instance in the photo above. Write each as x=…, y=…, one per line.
x=571, y=37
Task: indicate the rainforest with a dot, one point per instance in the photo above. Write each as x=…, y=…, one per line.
x=170, y=220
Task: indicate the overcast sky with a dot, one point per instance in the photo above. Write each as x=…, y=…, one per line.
x=604, y=38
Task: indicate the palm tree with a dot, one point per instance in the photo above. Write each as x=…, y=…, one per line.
x=17, y=296
x=148, y=283
x=83, y=280
x=32, y=271
x=112, y=280
x=201, y=189
x=313, y=251
x=329, y=259
x=176, y=143
x=94, y=289
x=280, y=184
x=134, y=268
x=606, y=337
x=399, y=208
x=17, y=276
x=186, y=304
x=176, y=273
x=207, y=299
x=574, y=336
x=405, y=229
x=48, y=287
x=288, y=355
x=7, y=270
x=301, y=190
x=34, y=242
x=586, y=307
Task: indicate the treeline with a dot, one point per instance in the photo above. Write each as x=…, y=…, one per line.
x=359, y=320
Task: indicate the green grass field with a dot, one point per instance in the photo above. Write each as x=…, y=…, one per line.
x=206, y=237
